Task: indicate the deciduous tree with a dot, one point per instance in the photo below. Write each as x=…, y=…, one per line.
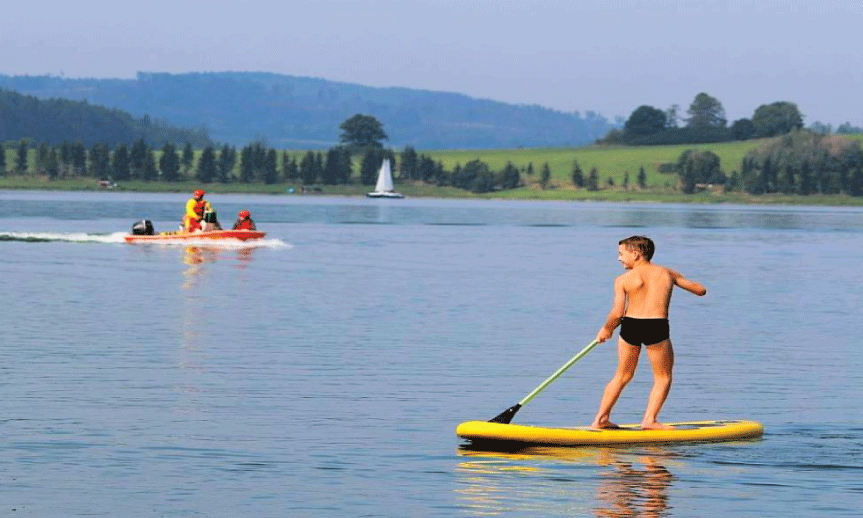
x=361, y=131
x=696, y=167
x=742, y=129
x=706, y=112
x=644, y=121
x=777, y=118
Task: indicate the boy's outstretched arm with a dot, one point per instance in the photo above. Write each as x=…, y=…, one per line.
x=618, y=310
x=688, y=285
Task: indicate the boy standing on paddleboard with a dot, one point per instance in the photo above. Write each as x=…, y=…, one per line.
x=641, y=299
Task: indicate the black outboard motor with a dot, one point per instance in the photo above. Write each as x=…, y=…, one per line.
x=211, y=222
x=143, y=228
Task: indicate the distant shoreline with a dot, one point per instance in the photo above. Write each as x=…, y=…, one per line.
x=418, y=190
x=615, y=167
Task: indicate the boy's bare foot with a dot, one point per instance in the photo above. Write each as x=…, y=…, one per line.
x=656, y=426
x=605, y=425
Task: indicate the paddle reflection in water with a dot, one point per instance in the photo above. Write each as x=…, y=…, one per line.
x=551, y=481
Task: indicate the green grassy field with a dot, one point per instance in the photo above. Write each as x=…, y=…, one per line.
x=610, y=161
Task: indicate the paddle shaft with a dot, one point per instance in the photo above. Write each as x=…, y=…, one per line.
x=557, y=374
x=506, y=416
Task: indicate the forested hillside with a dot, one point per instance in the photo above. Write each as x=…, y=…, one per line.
x=55, y=121
x=305, y=113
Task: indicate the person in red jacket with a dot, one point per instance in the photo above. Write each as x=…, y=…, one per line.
x=244, y=221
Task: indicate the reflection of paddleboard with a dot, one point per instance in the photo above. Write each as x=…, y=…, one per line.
x=701, y=431
x=242, y=235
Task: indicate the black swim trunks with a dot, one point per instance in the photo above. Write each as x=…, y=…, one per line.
x=647, y=331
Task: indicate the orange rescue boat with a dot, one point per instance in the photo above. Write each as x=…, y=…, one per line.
x=242, y=235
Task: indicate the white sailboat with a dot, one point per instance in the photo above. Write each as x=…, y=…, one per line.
x=384, y=188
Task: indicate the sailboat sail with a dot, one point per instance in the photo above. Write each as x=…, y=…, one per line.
x=384, y=187
x=385, y=178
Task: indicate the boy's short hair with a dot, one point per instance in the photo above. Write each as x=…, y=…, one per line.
x=641, y=244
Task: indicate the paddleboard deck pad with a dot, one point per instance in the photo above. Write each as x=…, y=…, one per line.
x=485, y=432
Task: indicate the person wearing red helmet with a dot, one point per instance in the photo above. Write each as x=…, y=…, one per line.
x=196, y=207
x=244, y=221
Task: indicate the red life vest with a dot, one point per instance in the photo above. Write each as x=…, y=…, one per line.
x=246, y=224
x=200, y=206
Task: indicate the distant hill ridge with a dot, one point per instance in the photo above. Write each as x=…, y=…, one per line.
x=302, y=113
x=55, y=120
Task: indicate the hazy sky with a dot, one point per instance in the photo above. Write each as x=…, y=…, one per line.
x=609, y=56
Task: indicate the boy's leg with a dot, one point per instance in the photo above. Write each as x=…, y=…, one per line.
x=627, y=361
x=662, y=360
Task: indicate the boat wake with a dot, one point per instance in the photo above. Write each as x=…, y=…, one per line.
x=118, y=237
x=71, y=237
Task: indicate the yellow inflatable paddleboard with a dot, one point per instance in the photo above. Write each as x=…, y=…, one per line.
x=699, y=431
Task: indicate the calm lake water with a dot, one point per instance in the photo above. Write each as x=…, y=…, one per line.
x=323, y=372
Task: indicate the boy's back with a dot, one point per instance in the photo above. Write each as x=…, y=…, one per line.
x=648, y=291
